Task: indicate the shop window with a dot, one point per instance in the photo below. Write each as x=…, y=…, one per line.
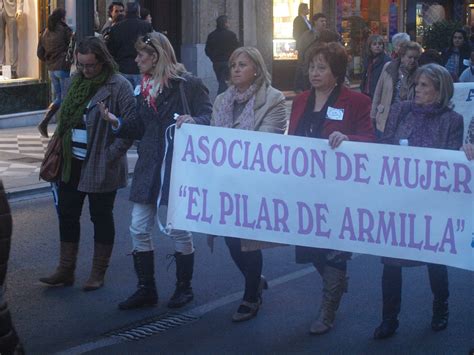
x=284, y=12
x=356, y=20
x=18, y=42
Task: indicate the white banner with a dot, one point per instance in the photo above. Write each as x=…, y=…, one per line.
x=403, y=202
x=463, y=100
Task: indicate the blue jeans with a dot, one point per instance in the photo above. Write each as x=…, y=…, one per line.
x=135, y=79
x=58, y=78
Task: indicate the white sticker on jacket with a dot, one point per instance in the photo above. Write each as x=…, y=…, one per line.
x=336, y=114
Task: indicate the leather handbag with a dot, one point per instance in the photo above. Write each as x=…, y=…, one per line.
x=51, y=166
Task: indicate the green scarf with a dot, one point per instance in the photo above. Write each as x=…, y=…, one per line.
x=72, y=111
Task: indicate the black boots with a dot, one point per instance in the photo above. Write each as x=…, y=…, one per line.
x=183, y=293
x=440, y=315
x=146, y=294
x=43, y=125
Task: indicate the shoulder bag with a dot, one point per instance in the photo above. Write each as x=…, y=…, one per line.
x=51, y=166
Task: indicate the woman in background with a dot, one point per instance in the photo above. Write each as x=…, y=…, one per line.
x=373, y=64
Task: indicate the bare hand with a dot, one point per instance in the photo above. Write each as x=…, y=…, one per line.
x=336, y=138
x=108, y=116
x=468, y=148
x=184, y=119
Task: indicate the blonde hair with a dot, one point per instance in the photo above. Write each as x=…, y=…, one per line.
x=167, y=66
x=262, y=74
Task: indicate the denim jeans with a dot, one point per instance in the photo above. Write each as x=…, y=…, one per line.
x=70, y=202
x=143, y=221
x=134, y=79
x=58, y=79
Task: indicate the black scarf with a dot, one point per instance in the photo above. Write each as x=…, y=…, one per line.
x=311, y=124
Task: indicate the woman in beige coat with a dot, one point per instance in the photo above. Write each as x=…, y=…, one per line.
x=396, y=83
x=250, y=103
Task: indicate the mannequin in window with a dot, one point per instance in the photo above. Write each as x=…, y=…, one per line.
x=10, y=12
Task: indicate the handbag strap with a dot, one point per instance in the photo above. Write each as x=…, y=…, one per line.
x=184, y=100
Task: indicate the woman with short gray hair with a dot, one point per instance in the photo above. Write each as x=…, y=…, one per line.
x=425, y=121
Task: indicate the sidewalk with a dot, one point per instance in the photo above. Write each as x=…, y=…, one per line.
x=21, y=152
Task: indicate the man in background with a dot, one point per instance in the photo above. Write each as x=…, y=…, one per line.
x=219, y=46
x=116, y=9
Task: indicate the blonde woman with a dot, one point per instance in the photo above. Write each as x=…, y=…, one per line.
x=166, y=89
x=250, y=103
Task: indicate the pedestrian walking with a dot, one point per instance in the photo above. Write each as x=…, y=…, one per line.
x=250, y=103
x=458, y=51
x=329, y=110
x=166, y=89
x=52, y=49
x=396, y=83
x=374, y=62
x=121, y=42
x=219, y=46
x=9, y=341
x=94, y=163
x=427, y=121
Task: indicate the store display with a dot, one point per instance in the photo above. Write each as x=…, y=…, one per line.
x=10, y=12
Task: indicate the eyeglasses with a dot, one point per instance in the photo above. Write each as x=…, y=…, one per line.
x=86, y=66
x=148, y=42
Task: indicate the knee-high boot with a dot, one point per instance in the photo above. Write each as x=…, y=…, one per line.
x=334, y=285
x=43, y=125
x=392, y=299
x=183, y=293
x=146, y=294
x=67, y=264
x=100, y=263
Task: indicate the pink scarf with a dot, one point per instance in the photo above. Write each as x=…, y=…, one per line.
x=225, y=113
x=150, y=91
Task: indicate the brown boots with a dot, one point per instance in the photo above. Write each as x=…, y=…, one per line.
x=64, y=274
x=334, y=286
x=43, y=125
x=100, y=263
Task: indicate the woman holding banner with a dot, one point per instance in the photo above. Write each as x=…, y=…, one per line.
x=250, y=103
x=168, y=94
x=329, y=111
x=426, y=121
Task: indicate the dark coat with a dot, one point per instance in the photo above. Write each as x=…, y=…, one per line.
x=299, y=27
x=121, y=42
x=465, y=53
x=53, y=46
x=9, y=342
x=150, y=128
x=105, y=167
x=220, y=44
x=372, y=74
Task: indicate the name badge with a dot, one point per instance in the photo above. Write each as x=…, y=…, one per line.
x=336, y=114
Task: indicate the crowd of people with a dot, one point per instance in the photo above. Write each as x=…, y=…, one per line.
x=128, y=85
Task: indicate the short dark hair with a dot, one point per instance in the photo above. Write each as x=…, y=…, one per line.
x=132, y=8
x=115, y=3
x=334, y=54
x=96, y=46
x=317, y=16
x=221, y=21
x=144, y=13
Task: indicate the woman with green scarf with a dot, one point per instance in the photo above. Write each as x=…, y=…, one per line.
x=94, y=161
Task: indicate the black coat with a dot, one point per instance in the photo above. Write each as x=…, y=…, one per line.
x=220, y=44
x=121, y=42
x=150, y=128
x=374, y=74
x=9, y=342
x=465, y=53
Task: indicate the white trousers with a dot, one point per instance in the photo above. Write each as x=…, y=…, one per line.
x=143, y=221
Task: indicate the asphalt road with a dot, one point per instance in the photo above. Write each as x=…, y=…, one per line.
x=69, y=320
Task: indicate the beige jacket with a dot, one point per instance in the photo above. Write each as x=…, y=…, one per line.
x=270, y=116
x=382, y=99
x=11, y=7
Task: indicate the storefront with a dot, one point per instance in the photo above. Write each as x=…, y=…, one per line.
x=22, y=82
x=355, y=20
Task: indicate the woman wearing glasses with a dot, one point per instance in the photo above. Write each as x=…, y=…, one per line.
x=166, y=89
x=94, y=162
